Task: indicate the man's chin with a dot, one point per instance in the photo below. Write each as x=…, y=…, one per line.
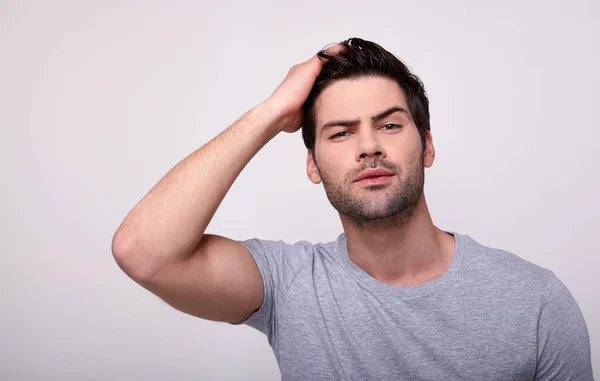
x=370, y=215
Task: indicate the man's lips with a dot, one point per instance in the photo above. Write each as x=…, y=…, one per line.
x=373, y=173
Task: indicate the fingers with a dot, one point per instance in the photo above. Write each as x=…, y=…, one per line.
x=315, y=63
x=312, y=58
x=330, y=51
x=334, y=49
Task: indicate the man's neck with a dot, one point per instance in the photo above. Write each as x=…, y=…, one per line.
x=402, y=254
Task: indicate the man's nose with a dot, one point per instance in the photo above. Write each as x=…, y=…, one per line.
x=369, y=146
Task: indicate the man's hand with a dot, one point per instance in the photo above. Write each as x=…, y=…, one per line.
x=291, y=94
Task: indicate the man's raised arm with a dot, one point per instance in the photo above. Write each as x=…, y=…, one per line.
x=161, y=243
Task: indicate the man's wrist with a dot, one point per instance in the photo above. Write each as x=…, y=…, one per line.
x=272, y=115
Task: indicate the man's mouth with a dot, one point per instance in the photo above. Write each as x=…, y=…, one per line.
x=374, y=174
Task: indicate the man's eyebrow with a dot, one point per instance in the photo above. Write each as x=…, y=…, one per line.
x=350, y=123
x=389, y=112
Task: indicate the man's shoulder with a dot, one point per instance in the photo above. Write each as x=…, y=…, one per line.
x=295, y=245
x=503, y=266
x=290, y=252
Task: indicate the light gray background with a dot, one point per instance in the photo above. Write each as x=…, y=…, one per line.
x=98, y=100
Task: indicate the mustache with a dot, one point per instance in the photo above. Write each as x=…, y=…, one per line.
x=375, y=163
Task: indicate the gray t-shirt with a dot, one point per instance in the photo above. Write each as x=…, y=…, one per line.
x=491, y=316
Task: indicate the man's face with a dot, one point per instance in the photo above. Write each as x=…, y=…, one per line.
x=361, y=125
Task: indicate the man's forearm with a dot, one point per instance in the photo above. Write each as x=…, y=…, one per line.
x=167, y=224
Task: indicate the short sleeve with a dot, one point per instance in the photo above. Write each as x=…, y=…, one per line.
x=563, y=339
x=278, y=263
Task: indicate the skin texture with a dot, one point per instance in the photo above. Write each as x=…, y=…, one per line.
x=388, y=227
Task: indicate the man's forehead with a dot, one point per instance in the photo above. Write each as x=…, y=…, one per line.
x=363, y=98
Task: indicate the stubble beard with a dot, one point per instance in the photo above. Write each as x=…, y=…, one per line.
x=379, y=205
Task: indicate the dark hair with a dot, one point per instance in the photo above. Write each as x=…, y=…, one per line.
x=361, y=59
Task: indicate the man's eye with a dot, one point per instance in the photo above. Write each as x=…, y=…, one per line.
x=339, y=135
x=391, y=126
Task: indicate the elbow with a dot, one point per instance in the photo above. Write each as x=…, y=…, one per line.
x=129, y=258
x=119, y=245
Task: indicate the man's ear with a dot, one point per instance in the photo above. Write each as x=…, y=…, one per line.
x=311, y=168
x=429, y=153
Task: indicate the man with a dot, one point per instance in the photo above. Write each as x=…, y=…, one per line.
x=393, y=297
